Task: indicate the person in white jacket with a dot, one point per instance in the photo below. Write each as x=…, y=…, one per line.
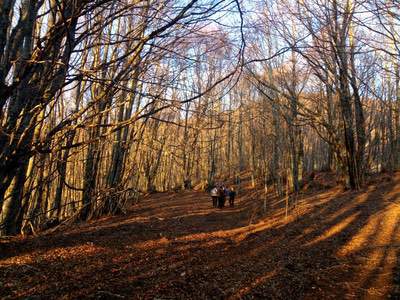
x=214, y=196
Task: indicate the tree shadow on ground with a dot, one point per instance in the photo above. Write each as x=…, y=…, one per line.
x=333, y=244
x=170, y=215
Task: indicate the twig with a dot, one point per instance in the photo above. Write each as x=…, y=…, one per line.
x=109, y=294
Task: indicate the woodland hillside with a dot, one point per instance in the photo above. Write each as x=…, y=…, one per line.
x=120, y=119
x=103, y=101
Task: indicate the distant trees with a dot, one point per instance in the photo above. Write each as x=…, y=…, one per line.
x=329, y=37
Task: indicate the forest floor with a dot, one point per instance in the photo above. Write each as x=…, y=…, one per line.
x=334, y=244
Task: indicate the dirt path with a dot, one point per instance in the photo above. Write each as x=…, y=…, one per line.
x=175, y=246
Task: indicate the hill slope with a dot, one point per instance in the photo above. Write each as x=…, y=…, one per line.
x=333, y=244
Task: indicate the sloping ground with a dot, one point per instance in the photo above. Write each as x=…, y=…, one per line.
x=334, y=244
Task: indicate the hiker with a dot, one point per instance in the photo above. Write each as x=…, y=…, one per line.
x=226, y=193
x=221, y=198
x=232, y=194
x=214, y=196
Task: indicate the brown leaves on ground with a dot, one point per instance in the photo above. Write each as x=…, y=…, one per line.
x=175, y=245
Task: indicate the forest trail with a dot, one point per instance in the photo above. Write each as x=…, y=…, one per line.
x=334, y=244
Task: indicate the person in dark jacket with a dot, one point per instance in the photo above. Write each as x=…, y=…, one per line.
x=226, y=193
x=232, y=194
x=221, y=198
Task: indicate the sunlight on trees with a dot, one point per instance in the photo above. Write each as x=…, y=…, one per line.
x=103, y=101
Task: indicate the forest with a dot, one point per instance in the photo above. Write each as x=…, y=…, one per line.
x=118, y=117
